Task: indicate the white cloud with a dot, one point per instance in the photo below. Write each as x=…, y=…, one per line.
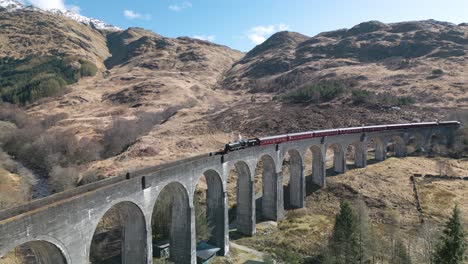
x=180, y=7
x=74, y=9
x=282, y=27
x=130, y=14
x=54, y=4
x=49, y=4
x=259, y=34
x=209, y=38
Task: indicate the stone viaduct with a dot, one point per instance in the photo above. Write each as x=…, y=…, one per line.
x=60, y=228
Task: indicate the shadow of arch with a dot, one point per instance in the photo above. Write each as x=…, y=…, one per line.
x=396, y=146
x=269, y=199
x=37, y=251
x=245, y=199
x=436, y=144
x=120, y=236
x=415, y=144
x=214, y=212
x=295, y=189
x=339, y=162
x=171, y=222
x=317, y=177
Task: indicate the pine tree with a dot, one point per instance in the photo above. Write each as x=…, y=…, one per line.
x=401, y=255
x=452, y=244
x=344, y=243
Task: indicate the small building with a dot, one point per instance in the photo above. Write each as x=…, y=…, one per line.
x=206, y=253
x=161, y=249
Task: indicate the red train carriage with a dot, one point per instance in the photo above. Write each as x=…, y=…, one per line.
x=327, y=132
x=374, y=128
x=273, y=140
x=425, y=124
x=299, y=136
x=351, y=130
x=330, y=132
x=399, y=126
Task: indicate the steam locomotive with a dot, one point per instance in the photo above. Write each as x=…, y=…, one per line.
x=241, y=144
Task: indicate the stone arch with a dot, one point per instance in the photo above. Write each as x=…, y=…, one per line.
x=415, y=143
x=339, y=160
x=173, y=215
x=214, y=207
x=271, y=189
x=245, y=199
x=38, y=251
x=397, y=145
x=296, y=178
x=436, y=143
x=358, y=151
x=130, y=235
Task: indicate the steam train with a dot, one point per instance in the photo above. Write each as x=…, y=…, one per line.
x=241, y=144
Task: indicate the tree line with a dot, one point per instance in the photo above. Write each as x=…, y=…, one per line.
x=60, y=155
x=354, y=240
x=26, y=80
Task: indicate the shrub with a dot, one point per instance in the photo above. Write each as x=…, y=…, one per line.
x=61, y=179
x=42, y=150
x=360, y=97
x=124, y=132
x=88, y=68
x=51, y=120
x=437, y=72
x=14, y=114
x=320, y=92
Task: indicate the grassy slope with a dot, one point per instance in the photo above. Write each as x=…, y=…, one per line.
x=383, y=186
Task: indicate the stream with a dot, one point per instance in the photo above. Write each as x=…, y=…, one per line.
x=41, y=188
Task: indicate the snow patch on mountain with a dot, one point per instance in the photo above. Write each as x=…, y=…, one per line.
x=13, y=5
x=86, y=20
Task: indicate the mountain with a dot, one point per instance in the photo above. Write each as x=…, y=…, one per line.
x=46, y=42
x=424, y=59
x=13, y=5
x=96, y=103
x=215, y=93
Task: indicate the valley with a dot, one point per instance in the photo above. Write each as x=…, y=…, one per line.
x=127, y=99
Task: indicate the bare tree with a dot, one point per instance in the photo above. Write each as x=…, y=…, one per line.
x=428, y=238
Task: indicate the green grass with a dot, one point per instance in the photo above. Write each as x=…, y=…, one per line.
x=320, y=92
x=364, y=97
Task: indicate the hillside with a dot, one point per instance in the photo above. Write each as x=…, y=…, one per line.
x=27, y=32
x=126, y=99
x=422, y=59
x=386, y=190
x=155, y=99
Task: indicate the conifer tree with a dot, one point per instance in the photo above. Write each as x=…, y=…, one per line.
x=401, y=255
x=344, y=243
x=452, y=243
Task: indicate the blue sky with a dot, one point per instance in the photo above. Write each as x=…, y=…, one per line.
x=242, y=24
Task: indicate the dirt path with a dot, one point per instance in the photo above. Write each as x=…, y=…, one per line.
x=259, y=256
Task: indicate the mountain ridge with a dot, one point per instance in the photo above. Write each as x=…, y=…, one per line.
x=13, y=5
x=408, y=51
